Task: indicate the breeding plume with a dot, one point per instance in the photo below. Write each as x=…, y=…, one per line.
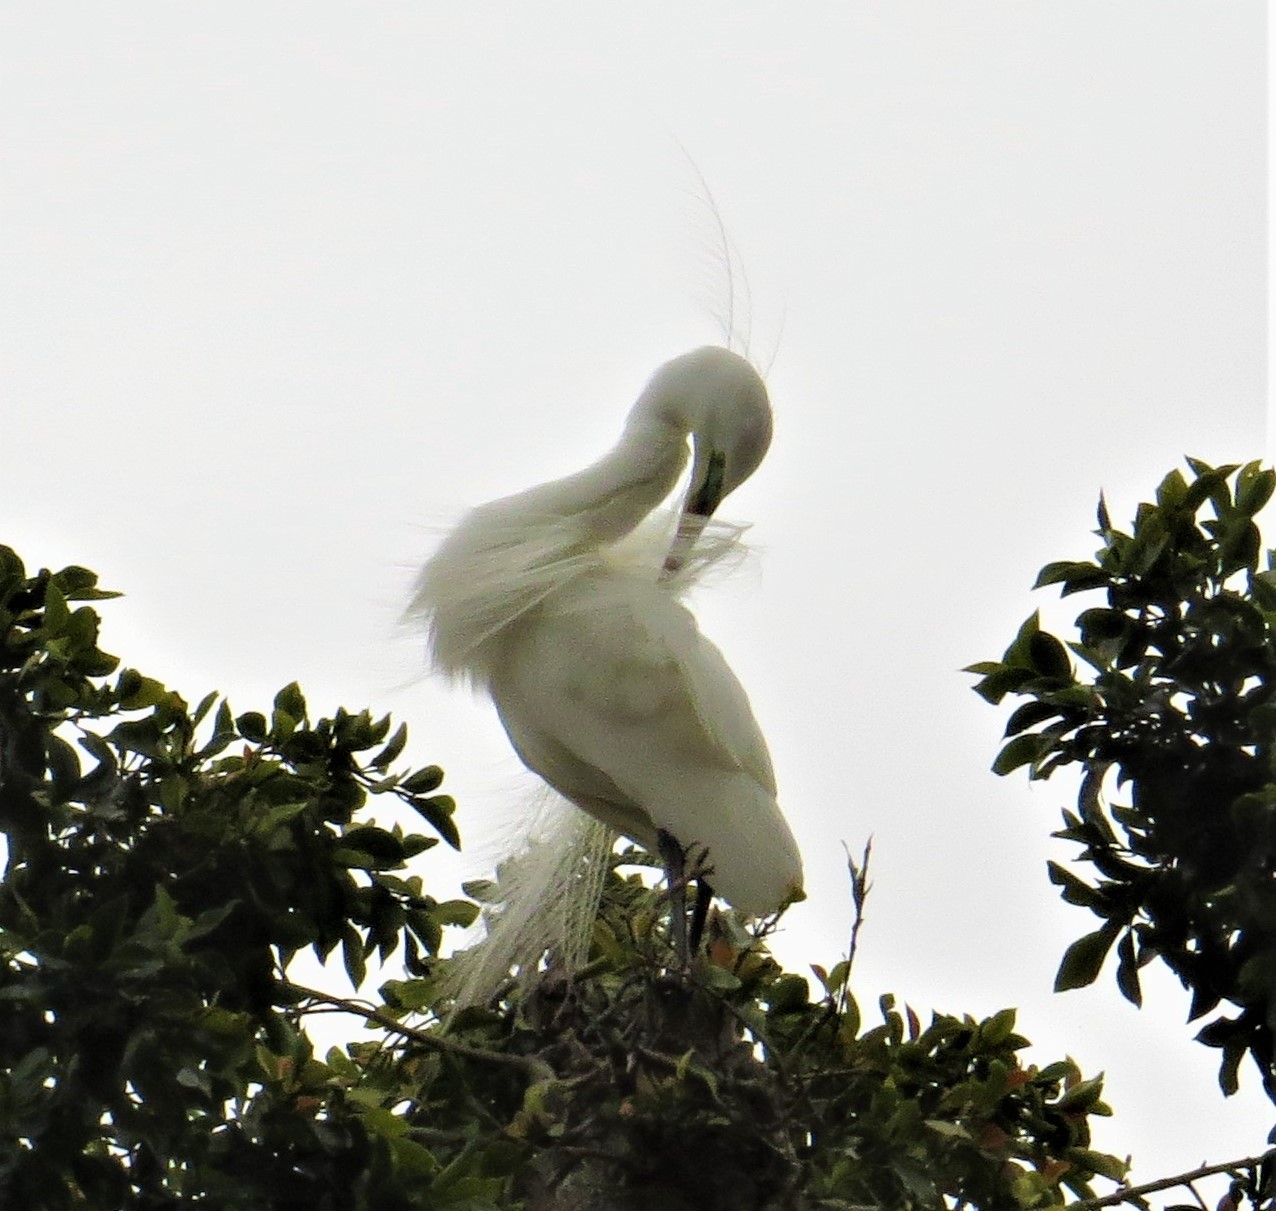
x=555, y=603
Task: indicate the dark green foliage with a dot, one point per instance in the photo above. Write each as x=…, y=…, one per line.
x=1176, y=702
x=735, y=1087
x=163, y=866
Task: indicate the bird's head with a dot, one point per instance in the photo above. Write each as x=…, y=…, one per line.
x=719, y=400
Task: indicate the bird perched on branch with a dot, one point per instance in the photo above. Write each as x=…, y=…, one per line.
x=556, y=602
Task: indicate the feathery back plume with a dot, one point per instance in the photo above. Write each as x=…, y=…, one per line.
x=543, y=914
x=489, y=572
x=495, y=568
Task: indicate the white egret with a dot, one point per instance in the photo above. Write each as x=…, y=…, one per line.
x=601, y=677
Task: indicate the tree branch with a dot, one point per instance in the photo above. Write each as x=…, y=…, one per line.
x=860, y=887
x=1130, y=1193
x=535, y=1068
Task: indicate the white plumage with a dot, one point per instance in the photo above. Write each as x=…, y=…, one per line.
x=549, y=602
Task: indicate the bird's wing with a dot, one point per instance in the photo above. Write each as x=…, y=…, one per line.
x=612, y=695
x=712, y=690
x=623, y=650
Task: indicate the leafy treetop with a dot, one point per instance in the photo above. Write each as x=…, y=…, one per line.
x=165, y=864
x=1175, y=705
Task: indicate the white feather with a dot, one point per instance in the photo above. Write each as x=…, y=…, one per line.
x=544, y=908
x=564, y=606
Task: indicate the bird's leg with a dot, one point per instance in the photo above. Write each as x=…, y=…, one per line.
x=675, y=860
x=700, y=913
x=700, y=871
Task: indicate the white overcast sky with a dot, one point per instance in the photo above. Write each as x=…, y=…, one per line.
x=286, y=286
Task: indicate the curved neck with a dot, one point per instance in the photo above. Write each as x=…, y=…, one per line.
x=508, y=555
x=611, y=496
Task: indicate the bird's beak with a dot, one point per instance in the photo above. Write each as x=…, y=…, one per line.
x=703, y=497
x=705, y=494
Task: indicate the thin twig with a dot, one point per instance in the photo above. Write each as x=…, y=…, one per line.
x=860, y=887
x=1182, y=1179
x=535, y=1068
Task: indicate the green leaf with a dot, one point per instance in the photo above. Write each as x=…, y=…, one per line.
x=1019, y=653
x=1128, y=970
x=1006, y=679
x=438, y=811
x=851, y=1018
x=485, y=891
x=384, y=848
x=1075, y=890
x=1049, y=656
x=143, y=692
x=1111, y=1167
x=56, y=614
x=455, y=912
x=137, y=736
x=31, y=1071
x=998, y=1028
x=388, y=755
x=278, y=816
x=1240, y=546
x=1254, y=488
x=416, y=843
x=423, y=781
x=789, y=994
x=1101, y=623
x=1060, y=1070
x=1029, y=715
x=354, y=957
x=63, y=762
x=1210, y=486
x=291, y=701
x=1172, y=490
x=1083, y=960
x=948, y=1130
x=1074, y=575
x=413, y=1159
x=1081, y=1096
x=414, y=995
x=1022, y=750
x=1090, y=801
x=80, y=584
